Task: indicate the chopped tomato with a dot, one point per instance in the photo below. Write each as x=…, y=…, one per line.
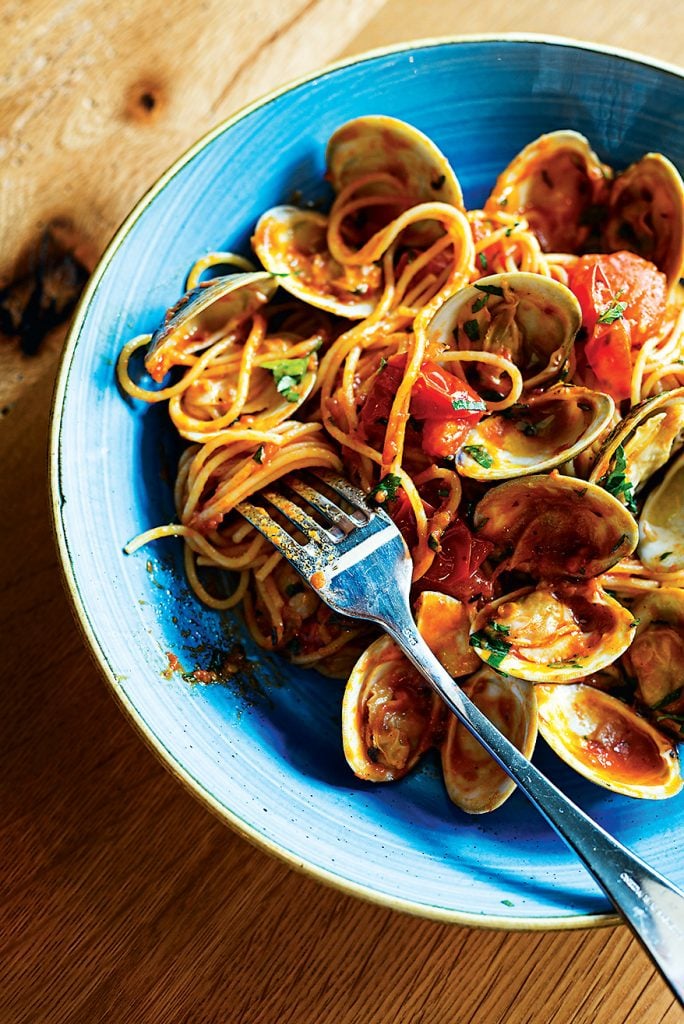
x=446, y=405
x=623, y=299
x=455, y=568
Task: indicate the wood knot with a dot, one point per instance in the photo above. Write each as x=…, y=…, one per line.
x=144, y=102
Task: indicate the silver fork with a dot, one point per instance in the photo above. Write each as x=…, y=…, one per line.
x=359, y=565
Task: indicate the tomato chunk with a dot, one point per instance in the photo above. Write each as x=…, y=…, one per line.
x=623, y=299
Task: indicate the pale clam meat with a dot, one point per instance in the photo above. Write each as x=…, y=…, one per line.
x=379, y=145
x=204, y=313
x=444, y=623
x=390, y=714
x=661, y=523
x=639, y=445
x=555, y=182
x=526, y=318
x=607, y=742
x=646, y=214
x=656, y=657
x=555, y=527
x=555, y=632
x=474, y=781
x=292, y=245
x=541, y=433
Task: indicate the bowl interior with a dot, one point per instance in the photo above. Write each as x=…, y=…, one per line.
x=265, y=751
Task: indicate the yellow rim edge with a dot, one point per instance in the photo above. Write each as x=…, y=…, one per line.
x=193, y=785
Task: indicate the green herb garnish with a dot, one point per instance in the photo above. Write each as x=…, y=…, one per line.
x=614, y=312
x=665, y=554
x=386, y=490
x=489, y=639
x=669, y=698
x=483, y=260
x=615, y=481
x=468, y=405
x=480, y=455
x=479, y=304
x=472, y=329
x=433, y=543
x=490, y=289
x=288, y=373
x=259, y=454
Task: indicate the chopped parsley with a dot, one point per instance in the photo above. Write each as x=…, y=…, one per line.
x=566, y=663
x=501, y=627
x=479, y=304
x=386, y=490
x=490, y=289
x=259, y=454
x=509, y=231
x=472, y=329
x=433, y=543
x=615, y=481
x=482, y=257
x=508, y=903
x=479, y=454
x=527, y=428
x=438, y=183
x=618, y=543
x=679, y=719
x=665, y=554
x=614, y=312
x=288, y=373
x=468, y=405
x=490, y=639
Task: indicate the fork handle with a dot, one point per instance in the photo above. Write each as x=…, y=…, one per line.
x=651, y=905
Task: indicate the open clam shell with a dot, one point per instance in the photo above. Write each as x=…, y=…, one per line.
x=377, y=144
x=639, y=445
x=554, y=632
x=529, y=319
x=646, y=214
x=661, y=523
x=607, y=742
x=292, y=245
x=444, y=623
x=199, y=315
x=555, y=527
x=474, y=781
x=390, y=714
x=539, y=434
x=656, y=657
x=555, y=182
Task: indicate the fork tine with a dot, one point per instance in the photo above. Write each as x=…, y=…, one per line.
x=327, y=508
x=353, y=495
x=260, y=519
x=299, y=518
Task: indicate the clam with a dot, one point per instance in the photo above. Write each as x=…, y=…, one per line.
x=555, y=527
x=474, y=781
x=381, y=145
x=292, y=245
x=543, y=432
x=607, y=742
x=444, y=624
x=203, y=314
x=556, y=182
x=555, y=632
x=526, y=318
x=390, y=714
x=639, y=445
x=661, y=523
x=646, y=214
x=656, y=657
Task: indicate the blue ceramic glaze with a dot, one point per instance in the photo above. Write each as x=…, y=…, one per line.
x=269, y=759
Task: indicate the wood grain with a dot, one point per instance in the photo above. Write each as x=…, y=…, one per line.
x=123, y=900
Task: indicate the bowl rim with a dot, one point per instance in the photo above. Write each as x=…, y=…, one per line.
x=56, y=498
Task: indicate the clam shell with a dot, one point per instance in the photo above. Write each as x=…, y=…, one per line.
x=646, y=214
x=292, y=245
x=639, y=445
x=556, y=526
x=444, y=624
x=390, y=714
x=656, y=657
x=379, y=144
x=554, y=632
x=207, y=308
x=607, y=742
x=529, y=319
x=661, y=523
x=473, y=779
x=540, y=434
x=554, y=182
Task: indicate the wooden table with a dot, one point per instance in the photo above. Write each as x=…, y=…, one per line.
x=123, y=900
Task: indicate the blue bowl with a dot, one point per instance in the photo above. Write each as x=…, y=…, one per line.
x=265, y=753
